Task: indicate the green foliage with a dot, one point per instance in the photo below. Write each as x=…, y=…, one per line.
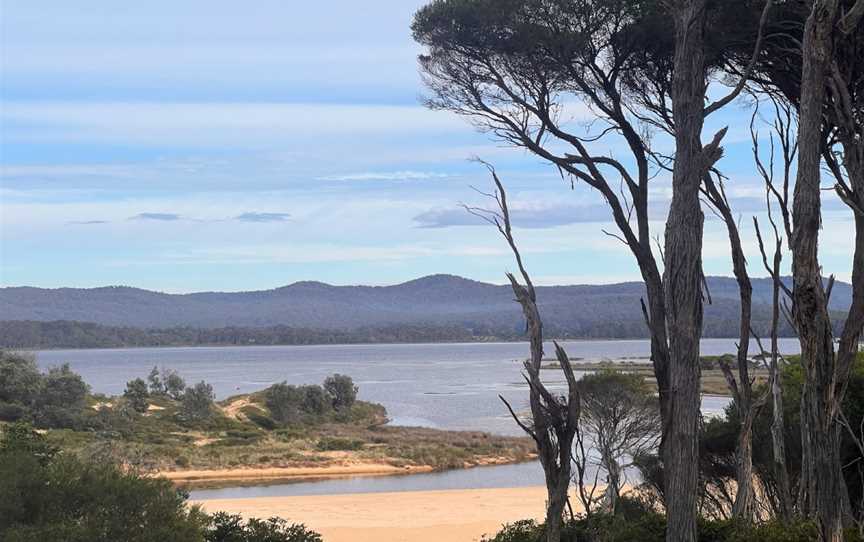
x=197, y=402
x=20, y=379
x=260, y=418
x=718, y=439
x=46, y=496
x=231, y=528
x=315, y=400
x=21, y=438
x=342, y=391
x=12, y=412
x=154, y=382
x=285, y=402
x=61, y=400
x=59, y=497
x=137, y=394
x=647, y=526
x=338, y=443
x=173, y=384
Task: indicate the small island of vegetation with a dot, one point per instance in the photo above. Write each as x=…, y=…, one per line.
x=162, y=426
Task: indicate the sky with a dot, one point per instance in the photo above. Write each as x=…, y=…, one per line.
x=230, y=146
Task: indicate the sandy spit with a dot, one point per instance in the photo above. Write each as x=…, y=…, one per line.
x=281, y=473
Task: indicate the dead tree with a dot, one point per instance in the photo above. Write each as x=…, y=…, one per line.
x=747, y=403
x=554, y=419
x=782, y=128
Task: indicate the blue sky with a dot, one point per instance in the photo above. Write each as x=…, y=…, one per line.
x=220, y=145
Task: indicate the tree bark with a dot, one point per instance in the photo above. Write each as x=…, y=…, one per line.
x=683, y=274
x=741, y=389
x=778, y=425
x=822, y=476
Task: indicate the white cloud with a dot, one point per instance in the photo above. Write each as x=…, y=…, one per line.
x=387, y=176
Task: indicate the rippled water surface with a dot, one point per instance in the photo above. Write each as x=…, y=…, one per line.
x=448, y=386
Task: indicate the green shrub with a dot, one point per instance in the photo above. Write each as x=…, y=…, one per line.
x=248, y=434
x=59, y=497
x=231, y=528
x=197, y=402
x=11, y=412
x=262, y=420
x=341, y=390
x=338, y=444
x=285, y=402
x=137, y=394
x=647, y=526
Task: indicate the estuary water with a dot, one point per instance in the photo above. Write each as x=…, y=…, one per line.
x=444, y=386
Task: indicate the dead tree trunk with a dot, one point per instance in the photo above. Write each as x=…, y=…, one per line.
x=554, y=420
x=747, y=405
x=783, y=129
x=778, y=436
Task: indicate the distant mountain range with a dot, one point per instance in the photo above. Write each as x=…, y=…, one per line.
x=449, y=304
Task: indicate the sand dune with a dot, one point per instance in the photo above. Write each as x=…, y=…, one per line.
x=415, y=516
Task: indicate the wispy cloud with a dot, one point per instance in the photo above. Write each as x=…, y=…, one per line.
x=263, y=217
x=388, y=176
x=165, y=217
x=87, y=222
x=526, y=216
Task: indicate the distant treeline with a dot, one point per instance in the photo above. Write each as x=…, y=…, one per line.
x=71, y=334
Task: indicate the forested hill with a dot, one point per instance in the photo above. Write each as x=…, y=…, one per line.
x=433, y=308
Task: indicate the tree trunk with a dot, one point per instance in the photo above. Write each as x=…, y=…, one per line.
x=744, y=504
x=613, y=481
x=683, y=274
x=822, y=474
x=778, y=440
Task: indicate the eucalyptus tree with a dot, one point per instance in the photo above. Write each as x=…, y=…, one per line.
x=517, y=68
x=814, y=61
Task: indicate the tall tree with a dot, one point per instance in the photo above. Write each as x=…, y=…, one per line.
x=514, y=66
x=826, y=370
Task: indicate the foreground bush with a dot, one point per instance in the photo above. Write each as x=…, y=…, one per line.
x=650, y=527
x=231, y=528
x=47, y=496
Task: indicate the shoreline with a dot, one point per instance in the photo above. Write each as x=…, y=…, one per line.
x=258, y=474
x=454, y=342
x=255, y=475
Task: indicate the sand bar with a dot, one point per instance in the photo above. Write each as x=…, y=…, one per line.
x=284, y=473
x=415, y=516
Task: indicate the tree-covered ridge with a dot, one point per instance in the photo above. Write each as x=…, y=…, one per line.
x=445, y=306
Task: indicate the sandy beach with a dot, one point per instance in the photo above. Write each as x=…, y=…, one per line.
x=415, y=516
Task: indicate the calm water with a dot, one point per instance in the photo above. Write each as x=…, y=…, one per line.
x=521, y=475
x=446, y=386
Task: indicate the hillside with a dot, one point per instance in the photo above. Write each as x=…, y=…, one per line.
x=453, y=308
